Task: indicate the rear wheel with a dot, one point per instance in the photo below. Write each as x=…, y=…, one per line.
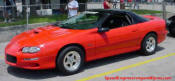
x=70, y=60
x=149, y=44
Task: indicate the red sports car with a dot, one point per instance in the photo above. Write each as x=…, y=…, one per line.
x=92, y=35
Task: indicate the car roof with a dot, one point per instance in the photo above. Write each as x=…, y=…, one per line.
x=136, y=17
x=109, y=10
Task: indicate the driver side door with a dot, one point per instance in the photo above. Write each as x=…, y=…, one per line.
x=121, y=38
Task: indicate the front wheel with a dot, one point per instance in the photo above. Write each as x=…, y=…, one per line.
x=149, y=44
x=70, y=60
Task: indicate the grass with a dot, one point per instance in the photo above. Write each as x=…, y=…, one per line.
x=54, y=18
x=36, y=19
x=146, y=11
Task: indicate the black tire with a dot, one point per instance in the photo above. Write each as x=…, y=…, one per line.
x=172, y=31
x=144, y=50
x=60, y=60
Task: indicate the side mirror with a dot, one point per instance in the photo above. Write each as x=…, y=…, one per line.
x=101, y=29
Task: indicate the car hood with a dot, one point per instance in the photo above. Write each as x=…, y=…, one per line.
x=40, y=36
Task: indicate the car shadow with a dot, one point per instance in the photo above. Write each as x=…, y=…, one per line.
x=33, y=74
x=43, y=74
x=159, y=48
x=117, y=58
x=169, y=35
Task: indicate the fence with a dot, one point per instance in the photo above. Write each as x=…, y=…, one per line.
x=39, y=13
x=29, y=14
x=141, y=1
x=140, y=5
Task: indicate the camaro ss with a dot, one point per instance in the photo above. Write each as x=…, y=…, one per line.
x=91, y=35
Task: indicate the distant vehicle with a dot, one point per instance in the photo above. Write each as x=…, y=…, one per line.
x=171, y=25
x=92, y=35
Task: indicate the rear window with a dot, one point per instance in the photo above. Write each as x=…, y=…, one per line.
x=138, y=18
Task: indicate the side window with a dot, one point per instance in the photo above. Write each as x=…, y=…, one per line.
x=129, y=19
x=138, y=19
x=118, y=20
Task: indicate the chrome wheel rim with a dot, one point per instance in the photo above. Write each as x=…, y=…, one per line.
x=72, y=61
x=150, y=44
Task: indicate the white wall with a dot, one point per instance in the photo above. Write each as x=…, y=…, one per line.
x=55, y=4
x=1, y=4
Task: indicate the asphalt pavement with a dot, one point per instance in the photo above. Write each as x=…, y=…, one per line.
x=161, y=64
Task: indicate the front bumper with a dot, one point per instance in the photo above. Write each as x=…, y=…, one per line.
x=30, y=61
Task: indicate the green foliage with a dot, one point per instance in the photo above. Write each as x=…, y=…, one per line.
x=146, y=11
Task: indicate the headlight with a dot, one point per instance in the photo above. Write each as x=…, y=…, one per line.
x=30, y=49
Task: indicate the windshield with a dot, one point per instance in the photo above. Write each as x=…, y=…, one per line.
x=86, y=20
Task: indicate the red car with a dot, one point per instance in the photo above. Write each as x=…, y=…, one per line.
x=92, y=35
